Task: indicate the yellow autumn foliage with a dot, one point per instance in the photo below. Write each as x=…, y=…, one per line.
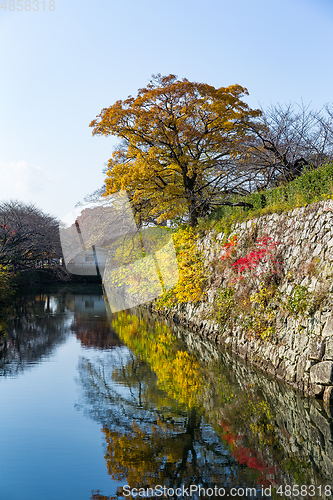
x=192, y=281
x=176, y=137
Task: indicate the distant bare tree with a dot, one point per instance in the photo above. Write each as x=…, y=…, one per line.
x=285, y=139
x=27, y=235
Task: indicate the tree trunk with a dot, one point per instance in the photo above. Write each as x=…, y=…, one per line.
x=193, y=214
x=189, y=183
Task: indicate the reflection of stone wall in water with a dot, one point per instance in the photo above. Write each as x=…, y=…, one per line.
x=296, y=442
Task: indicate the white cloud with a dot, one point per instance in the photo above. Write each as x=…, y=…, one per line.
x=21, y=180
x=53, y=191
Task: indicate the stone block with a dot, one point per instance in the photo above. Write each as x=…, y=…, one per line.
x=296, y=251
x=317, y=348
x=318, y=227
x=316, y=324
x=281, y=371
x=316, y=389
x=308, y=365
x=329, y=349
x=322, y=373
x=275, y=359
x=290, y=375
x=301, y=366
x=291, y=356
x=317, y=249
x=328, y=328
x=286, y=371
x=328, y=395
x=243, y=350
x=282, y=350
x=330, y=243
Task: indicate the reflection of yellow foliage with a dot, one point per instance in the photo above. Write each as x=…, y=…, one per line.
x=129, y=456
x=178, y=371
x=260, y=416
x=181, y=378
x=140, y=457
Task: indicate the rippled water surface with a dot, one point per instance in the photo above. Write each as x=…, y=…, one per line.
x=92, y=402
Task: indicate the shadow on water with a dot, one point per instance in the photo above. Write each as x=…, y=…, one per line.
x=175, y=410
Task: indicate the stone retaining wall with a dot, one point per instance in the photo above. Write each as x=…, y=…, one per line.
x=301, y=349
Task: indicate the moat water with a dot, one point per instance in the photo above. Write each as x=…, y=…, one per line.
x=95, y=405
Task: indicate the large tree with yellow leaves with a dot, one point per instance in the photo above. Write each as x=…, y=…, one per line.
x=179, y=143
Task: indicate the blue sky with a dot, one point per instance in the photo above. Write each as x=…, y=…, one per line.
x=60, y=68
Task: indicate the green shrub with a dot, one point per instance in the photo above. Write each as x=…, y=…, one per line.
x=312, y=186
x=299, y=301
x=225, y=303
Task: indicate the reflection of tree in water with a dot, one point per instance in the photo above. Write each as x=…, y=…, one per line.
x=94, y=332
x=90, y=323
x=150, y=439
x=37, y=324
x=261, y=433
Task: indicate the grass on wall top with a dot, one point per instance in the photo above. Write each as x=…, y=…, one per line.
x=312, y=186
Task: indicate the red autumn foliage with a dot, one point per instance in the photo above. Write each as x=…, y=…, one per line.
x=230, y=247
x=255, y=257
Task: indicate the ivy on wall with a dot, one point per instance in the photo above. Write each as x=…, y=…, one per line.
x=191, y=286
